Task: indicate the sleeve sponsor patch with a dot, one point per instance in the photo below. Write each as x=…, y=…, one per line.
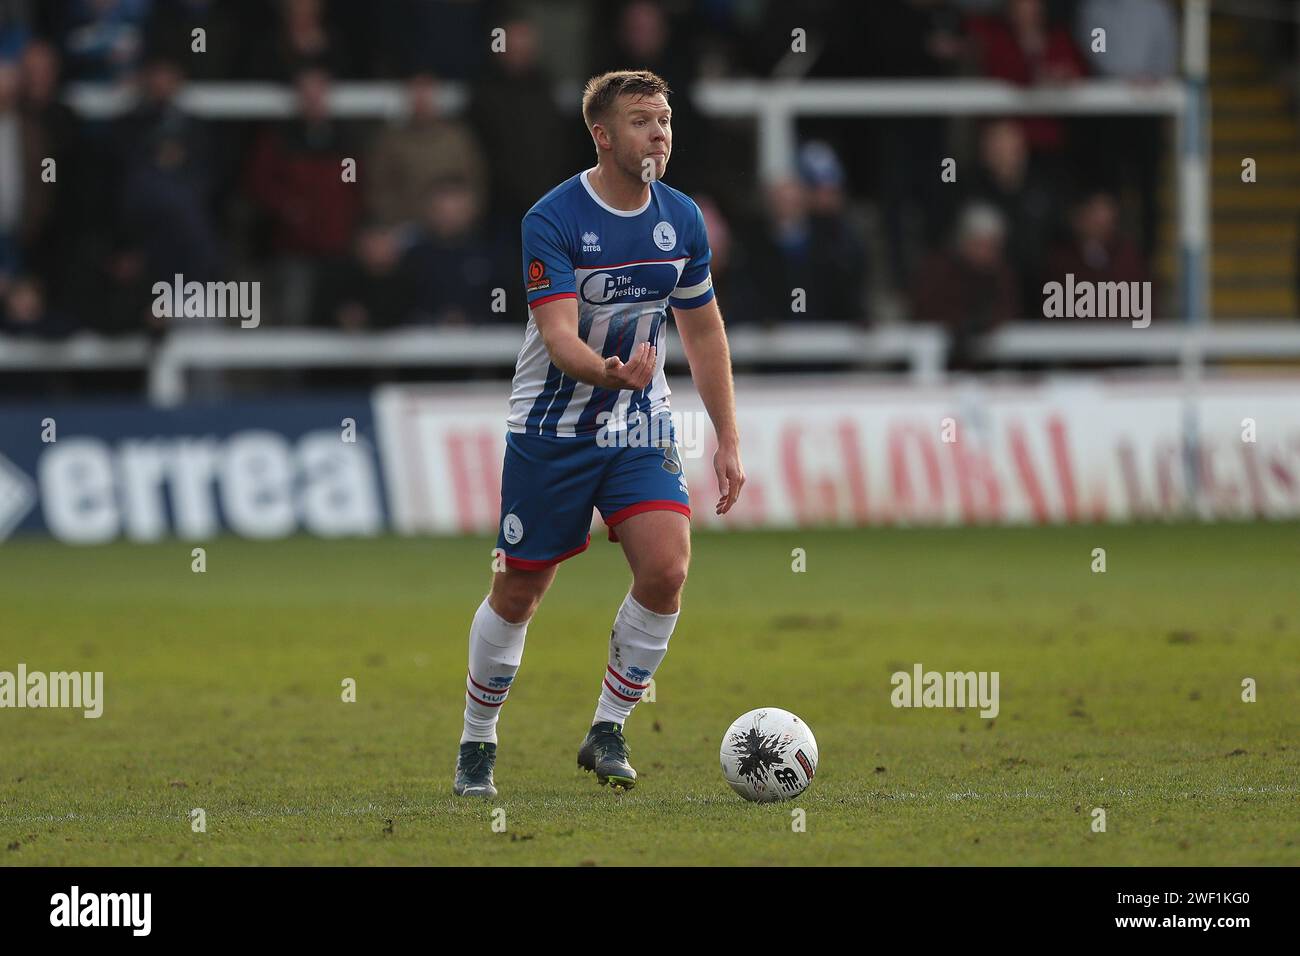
x=538, y=280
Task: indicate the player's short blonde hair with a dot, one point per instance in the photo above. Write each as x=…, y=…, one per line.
x=601, y=91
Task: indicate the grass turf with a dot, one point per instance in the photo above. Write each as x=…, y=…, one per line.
x=1119, y=690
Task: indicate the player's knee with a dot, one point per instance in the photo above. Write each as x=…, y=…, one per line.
x=515, y=597
x=666, y=579
x=514, y=608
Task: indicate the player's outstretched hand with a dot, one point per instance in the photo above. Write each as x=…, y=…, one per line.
x=636, y=373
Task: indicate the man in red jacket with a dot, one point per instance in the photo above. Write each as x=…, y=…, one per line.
x=296, y=178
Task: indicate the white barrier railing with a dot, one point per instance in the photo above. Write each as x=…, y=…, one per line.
x=774, y=105
x=777, y=104
x=921, y=349
x=82, y=352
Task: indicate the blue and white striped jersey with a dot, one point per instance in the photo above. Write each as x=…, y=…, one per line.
x=624, y=267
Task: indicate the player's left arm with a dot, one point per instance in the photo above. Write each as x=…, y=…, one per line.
x=704, y=342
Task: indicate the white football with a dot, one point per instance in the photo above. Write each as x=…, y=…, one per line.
x=769, y=754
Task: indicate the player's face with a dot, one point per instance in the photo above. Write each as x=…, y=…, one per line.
x=643, y=130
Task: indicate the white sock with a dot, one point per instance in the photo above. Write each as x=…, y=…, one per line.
x=495, y=649
x=637, y=644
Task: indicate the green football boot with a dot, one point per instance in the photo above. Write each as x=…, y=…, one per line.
x=474, y=770
x=606, y=752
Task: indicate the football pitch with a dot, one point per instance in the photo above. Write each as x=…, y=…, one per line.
x=223, y=692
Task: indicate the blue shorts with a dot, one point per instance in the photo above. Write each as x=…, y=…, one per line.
x=549, y=486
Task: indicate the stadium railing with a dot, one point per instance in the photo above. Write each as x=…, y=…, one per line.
x=920, y=350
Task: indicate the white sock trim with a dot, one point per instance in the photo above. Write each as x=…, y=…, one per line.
x=643, y=619
x=507, y=633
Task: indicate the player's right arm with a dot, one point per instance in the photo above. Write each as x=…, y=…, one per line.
x=553, y=301
x=557, y=321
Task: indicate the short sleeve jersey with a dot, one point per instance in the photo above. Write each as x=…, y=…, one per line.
x=624, y=267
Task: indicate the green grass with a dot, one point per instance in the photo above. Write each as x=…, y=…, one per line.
x=1119, y=690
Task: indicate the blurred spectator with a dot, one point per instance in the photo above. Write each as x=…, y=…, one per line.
x=157, y=116
x=1023, y=47
x=104, y=39
x=40, y=81
x=1028, y=198
x=1097, y=251
x=142, y=197
x=914, y=38
x=406, y=160
x=169, y=33
x=836, y=237
x=530, y=146
x=1142, y=46
x=711, y=154
x=900, y=38
x=890, y=157
x=25, y=312
x=457, y=262
x=912, y=206
x=374, y=289
x=14, y=168
x=733, y=296
x=796, y=251
x=977, y=7
x=1141, y=38
x=15, y=28
x=969, y=288
x=296, y=179
x=642, y=38
x=448, y=38
x=164, y=213
x=110, y=293
x=299, y=41
x=165, y=216
x=49, y=129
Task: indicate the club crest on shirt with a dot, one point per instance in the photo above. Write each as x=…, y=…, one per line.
x=665, y=236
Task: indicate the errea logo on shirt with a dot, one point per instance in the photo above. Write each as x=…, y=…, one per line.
x=590, y=242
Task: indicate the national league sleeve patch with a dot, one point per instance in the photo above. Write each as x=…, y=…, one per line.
x=538, y=280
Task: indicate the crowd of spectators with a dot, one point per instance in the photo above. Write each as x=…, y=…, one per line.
x=431, y=225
